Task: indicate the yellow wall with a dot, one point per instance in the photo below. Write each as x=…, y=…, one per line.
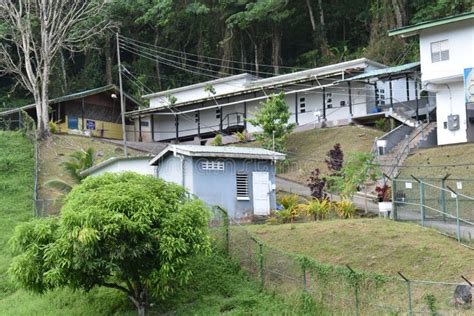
x=111, y=130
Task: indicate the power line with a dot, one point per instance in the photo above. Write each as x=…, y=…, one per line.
x=208, y=57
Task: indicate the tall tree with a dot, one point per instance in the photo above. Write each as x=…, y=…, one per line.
x=33, y=31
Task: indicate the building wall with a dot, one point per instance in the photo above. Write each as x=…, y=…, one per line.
x=177, y=169
x=451, y=101
x=460, y=36
x=139, y=166
x=337, y=111
x=220, y=187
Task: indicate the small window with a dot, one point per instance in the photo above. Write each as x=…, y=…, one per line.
x=145, y=123
x=329, y=100
x=218, y=113
x=212, y=165
x=342, y=103
x=439, y=51
x=242, y=186
x=302, y=105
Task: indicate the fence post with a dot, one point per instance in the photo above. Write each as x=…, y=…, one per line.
x=227, y=232
x=458, y=226
x=261, y=265
x=356, y=292
x=394, y=202
x=422, y=202
x=410, y=307
x=305, y=288
x=443, y=198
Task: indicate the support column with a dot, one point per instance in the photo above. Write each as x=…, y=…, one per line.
x=220, y=120
x=324, y=104
x=82, y=113
x=198, y=116
x=350, y=97
x=140, y=137
x=296, y=108
x=417, y=99
x=245, y=116
x=408, y=86
x=176, y=124
x=152, y=122
x=391, y=92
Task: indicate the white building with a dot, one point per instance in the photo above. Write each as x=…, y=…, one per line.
x=446, y=54
x=314, y=96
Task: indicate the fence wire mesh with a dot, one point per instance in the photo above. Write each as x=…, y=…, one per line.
x=443, y=203
x=337, y=290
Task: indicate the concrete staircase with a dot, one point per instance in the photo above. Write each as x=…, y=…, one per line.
x=390, y=162
x=403, y=118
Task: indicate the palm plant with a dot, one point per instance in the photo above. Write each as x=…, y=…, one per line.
x=78, y=161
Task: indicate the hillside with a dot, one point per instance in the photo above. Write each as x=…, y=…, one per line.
x=218, y=288
x=374, y=245
x=438, y=161
x=57, y=149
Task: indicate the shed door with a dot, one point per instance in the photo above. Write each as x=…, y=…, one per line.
x=261, y=193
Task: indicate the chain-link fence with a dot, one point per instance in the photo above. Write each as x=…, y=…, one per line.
x=337, y=290
x=441, y=203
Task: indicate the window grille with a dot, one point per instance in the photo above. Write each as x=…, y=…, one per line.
x=242, y=186
x=212, y=165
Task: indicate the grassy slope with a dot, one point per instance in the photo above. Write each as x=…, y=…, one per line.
x=441, y=155
x=57, y=150
x=217, y=288
x=307, y=150
x=374, y=245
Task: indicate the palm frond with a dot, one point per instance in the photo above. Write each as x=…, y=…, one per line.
x=59, y=185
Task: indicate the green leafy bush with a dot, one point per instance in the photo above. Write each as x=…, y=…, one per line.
x=345, y=209
x=318, y=209
x=217, y=141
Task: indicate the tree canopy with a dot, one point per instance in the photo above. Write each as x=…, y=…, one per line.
x=183, y=42
x=125, y=231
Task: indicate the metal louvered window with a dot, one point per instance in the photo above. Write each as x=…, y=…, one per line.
x=212, y=165
x=242, y=186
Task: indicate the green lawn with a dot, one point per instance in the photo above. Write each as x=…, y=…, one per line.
x=374, y=245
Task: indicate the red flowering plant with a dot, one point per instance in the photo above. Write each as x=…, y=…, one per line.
x=384, y=193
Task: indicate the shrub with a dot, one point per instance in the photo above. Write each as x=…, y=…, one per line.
x=242, y=136
x=335, y=160
x=53, y=127
x=345, y=209
x=384, y=193
x=317, y=184
x=318, y=209
x=217, y=141
x=291, y=210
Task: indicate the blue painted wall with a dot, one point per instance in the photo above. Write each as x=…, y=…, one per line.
x=217, y=187
x=220, y=187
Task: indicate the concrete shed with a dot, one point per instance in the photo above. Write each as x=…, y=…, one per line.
x=139, y=165
x=240, y=179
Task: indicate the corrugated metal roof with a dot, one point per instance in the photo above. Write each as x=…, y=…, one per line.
x=75, y=96
x=411, y=30
x=385, y=72
x=220, y=152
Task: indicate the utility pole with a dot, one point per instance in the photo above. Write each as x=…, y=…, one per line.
x=122, y=99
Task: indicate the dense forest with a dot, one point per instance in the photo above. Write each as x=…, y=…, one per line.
x=171, y=43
